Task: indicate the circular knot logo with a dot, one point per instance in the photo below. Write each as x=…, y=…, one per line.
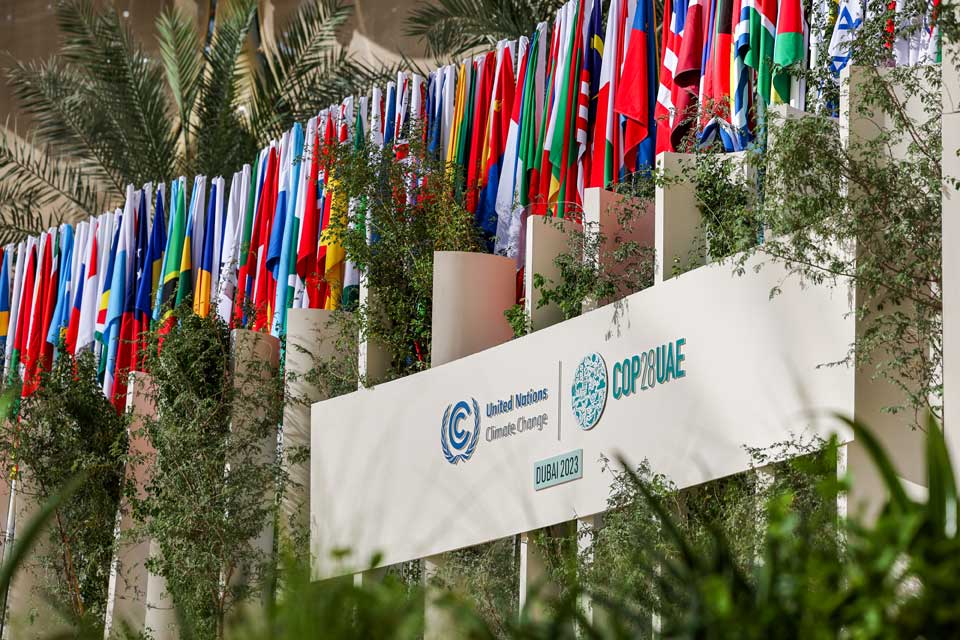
x=457, y=443
x=589, y=390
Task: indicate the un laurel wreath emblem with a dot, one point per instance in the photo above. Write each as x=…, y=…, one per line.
x=458, y=444
x=589, y=390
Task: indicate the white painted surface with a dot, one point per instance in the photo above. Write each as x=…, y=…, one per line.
x=471, y=290
x=380, y=481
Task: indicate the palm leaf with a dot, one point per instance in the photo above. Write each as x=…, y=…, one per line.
x=35, y=178
x=452, y=27
x=67, y=116
x=135, y=116
x=183, y=63
x=307, y=70
x=223, y=141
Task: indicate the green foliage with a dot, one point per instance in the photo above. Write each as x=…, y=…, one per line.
x=598, y=267
x=519, y=320
x=68, y=429
x=104, y=114
x=730, y=222
x=452, y=27
x=868, y=211
x=485, y=576
x=212, y=486
x=410, y=210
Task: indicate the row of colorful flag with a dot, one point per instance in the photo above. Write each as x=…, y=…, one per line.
x=529, y=125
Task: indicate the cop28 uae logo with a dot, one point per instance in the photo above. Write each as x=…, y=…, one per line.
x=589, y=390
x=458, y=444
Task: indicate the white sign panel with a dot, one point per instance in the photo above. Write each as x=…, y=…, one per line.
x=684, y=374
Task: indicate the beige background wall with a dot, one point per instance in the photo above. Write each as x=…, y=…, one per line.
x=28, y=28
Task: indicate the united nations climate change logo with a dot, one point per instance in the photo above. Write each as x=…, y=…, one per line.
x=589, y=390
x=458, y=444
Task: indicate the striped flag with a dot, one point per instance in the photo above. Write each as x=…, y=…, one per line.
x=232, y=232
x=21, y=253
x=636, y=94
x=120, y=304
x=789, y=48
x=5, y=298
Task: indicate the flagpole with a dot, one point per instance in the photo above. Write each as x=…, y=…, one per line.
x=8, y=537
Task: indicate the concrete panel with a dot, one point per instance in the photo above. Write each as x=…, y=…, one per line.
x=126, y=600
x=618, y=219
x=383, y=478
x=470, y=293
x=951, y=257
x=546, y=239
x=679, y=241
x=311, y=339
x=255, y=360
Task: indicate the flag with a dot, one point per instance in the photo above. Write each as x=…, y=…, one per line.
x=510, y=166
x=307, y=254
x=172, y=257
x=5, y=298
x=36, y=358
x=259, y=241
x=478, y=122
x=496, y=140
x=151, y=272
x=202, y=289
x=233, y=229
x=606, y=146
x=122, y=294
x=288, y=231
x=351, y=275
x=759, y=57
x=60, y=315
x=849, y=19
x=89, y=293
x=244, y=278
x=675, y=12
x=25, y=313
x=789, y=47
x=186, y=270
x=636, y=92
x=21, y=253
x=111, y=237
x=740, y=81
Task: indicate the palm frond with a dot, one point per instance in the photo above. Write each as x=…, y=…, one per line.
x=452, y=27
x=44, y=179
x=67, y=117
x=99, y=46
x=223, y=140
x=307, y=69
x=181, y=54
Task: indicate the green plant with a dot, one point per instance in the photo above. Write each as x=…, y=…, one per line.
x=212, y=487
x=404, y=211
x=729, y=217
x=68, y=428
x=452, y=27
x=599, y=267
x=519, y=320
x=104, y=114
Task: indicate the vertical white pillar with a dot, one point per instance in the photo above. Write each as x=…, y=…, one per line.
x=679, y=240
x=127, y=591
x=255, y=361
x=546, y=239
x=160, y=617
x=311, y=341
x=617, y=219
x=29, y=614
x=861, y=122
x=950, y=166
x=470, y=293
